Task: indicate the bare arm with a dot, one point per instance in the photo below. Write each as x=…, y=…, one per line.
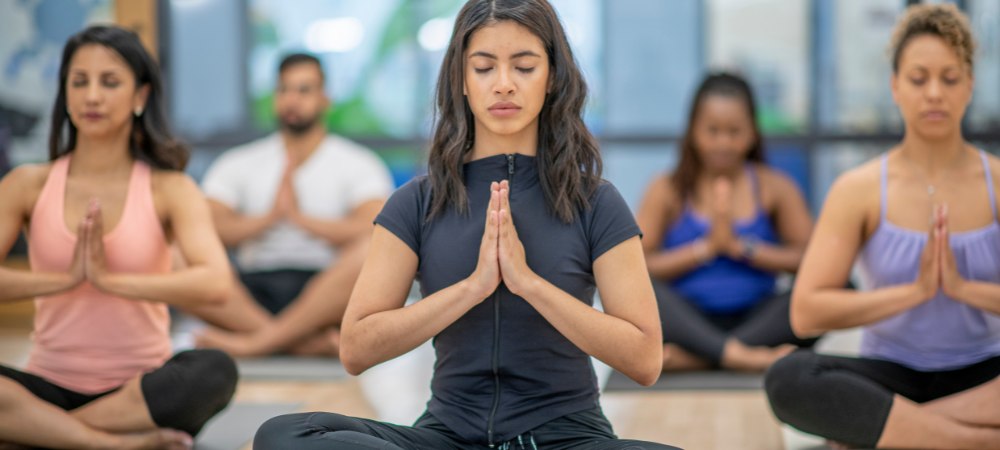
x=794, y=225
x=205, y=280
x=819, y=301
x=339, y=232
x=627, y=336
x=377, y=327
x=234, y=228
x=659, y=209
x=18, y=191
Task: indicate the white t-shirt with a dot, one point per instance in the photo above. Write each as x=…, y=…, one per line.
x=339, y=176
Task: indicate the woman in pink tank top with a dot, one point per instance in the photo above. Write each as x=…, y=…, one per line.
x=99, y=220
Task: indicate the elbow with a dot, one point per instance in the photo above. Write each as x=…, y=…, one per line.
x=353, y=364
x=649, y=371
x=802, y=321
x=218, y=291
x=649, y=375
x=351, y=358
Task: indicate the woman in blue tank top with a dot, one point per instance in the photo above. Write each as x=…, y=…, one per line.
x=717, y=231
x=921, y=222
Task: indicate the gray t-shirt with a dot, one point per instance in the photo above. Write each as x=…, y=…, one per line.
x=502, y=369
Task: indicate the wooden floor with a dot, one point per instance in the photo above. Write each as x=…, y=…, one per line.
x=689, y=420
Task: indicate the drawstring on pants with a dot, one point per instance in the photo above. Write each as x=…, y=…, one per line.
x=520, y=443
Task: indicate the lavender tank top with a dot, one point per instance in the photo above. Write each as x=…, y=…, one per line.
x=942, y=333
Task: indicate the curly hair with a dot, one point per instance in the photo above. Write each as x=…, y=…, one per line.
x=944, y=20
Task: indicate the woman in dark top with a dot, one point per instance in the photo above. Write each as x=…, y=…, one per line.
x=510, y=234
x=717, y=231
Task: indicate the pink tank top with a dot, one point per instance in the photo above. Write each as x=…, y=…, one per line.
x=85, y=340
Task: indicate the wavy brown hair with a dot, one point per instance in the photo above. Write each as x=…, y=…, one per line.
x=568, y=161
x=945, y=21
x=690, y=166
x=151, y=140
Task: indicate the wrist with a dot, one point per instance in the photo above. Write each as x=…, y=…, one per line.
x=474, y=289
x=703, y=251
x=526, y=286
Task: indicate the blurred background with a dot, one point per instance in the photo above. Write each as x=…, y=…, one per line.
x=819, y=68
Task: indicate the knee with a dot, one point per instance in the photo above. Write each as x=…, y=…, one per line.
x=289, y=431
x=190, y=389
x=215, y=374
x=279, y=433
x=786, y=381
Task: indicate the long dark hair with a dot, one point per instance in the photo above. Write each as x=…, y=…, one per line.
x=151, y=141
x=690, y=165
x=568, y=161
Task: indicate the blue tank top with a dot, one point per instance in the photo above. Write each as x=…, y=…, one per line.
x=941, y=333
x=724, y=285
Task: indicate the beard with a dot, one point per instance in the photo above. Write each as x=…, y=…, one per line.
x=300, y=126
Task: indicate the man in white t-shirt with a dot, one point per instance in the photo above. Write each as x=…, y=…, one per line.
x=297, y=207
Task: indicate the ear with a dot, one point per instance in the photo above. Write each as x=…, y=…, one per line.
x=140, y=97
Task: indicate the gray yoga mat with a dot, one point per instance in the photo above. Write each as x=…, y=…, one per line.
x=291, y=368
x=690, y=381
x=234, y=427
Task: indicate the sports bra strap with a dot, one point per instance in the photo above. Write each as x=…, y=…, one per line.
x=989, y=183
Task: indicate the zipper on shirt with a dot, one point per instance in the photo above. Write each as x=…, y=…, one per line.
x=496, y=365
x=496, y=332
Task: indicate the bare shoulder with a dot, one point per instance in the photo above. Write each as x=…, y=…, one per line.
x=861, y=182
x=174, y=188
x=994, y=164
x=25, y=182
x=662, y=187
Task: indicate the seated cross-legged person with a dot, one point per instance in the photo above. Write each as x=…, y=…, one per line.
x=717, y=232
x=511, y=234
x=100, y=219
x=298, y=207
x=922, y=223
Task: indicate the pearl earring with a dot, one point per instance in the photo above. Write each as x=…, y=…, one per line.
x=138, y=112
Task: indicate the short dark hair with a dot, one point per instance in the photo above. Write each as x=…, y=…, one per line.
x=300, y=58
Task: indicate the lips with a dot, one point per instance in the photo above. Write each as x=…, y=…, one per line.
x=93, y=116
x=934, y=115
x=503, y=109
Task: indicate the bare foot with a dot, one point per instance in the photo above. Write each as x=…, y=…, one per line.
x=161, y=439
x=324, y=343
x=676, y=359
x=741, y=358
x=235, y=344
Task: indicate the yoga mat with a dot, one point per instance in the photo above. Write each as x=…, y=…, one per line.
x=291, y=368
x=235, y=426
x=690, y=381
x=797, y=440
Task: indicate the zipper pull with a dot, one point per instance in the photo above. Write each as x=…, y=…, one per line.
x=510, y=167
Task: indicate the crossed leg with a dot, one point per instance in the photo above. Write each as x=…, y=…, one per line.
x=308, y=326
x=28, y=420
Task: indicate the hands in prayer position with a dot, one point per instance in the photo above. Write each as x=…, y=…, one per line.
x=501, y=254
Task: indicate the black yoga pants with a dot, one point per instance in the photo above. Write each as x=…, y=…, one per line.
x=705, y=335
x=847, y=400
x=276, y=289
x=183, y=394
x=584, y=430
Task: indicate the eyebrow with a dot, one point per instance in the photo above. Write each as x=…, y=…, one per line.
x=514, y=56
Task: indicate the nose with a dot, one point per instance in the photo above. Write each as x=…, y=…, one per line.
x=504, y=85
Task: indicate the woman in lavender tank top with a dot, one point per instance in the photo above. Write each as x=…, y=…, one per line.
x=921, y=221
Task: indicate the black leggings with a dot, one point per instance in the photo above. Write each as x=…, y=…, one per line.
x=847, y=400
x=183, y=394
x=584, y=430
x=705, y=335
x=276, y=289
